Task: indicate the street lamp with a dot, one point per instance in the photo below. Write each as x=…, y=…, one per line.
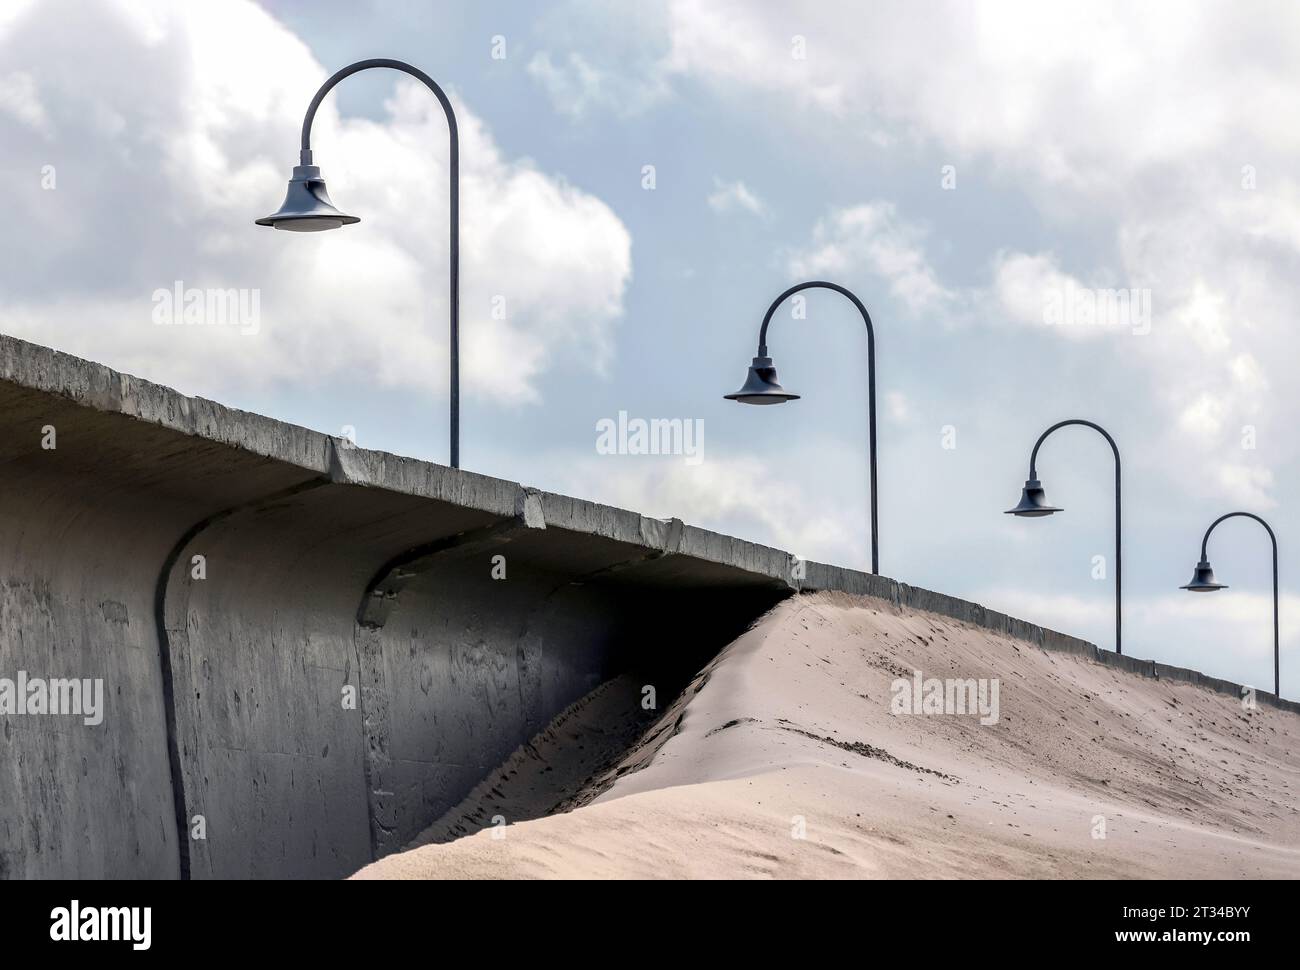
x=761, y=387
x=1203, y=582
x=307, y=208
x=1033, y=504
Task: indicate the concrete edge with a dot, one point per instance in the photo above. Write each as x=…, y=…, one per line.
x=903, y=596
x=101, y=388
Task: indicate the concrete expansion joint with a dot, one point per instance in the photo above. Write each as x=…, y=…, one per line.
x=528, y=508
x=794, y=576
x=661, y=538
x=663, y=535
x=338, y=473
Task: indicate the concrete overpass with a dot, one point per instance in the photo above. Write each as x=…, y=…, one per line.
x=340, y=666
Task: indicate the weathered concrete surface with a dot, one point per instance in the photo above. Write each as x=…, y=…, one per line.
x=329, y=571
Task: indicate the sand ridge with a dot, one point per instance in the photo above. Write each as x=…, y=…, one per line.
x=783, y=759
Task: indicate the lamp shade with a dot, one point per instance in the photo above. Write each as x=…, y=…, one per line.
x=1033, y=501
x=1203, y=579
x=307, y=206
x=761, y=386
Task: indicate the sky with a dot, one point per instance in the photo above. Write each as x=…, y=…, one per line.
x=638, y=184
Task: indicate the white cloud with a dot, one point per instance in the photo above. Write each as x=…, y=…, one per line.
x=20, y=99
x=596, y=60
x=1247, y=486
x=193, y=127
x=730, y=196
x=1193, y=198
x=1248, y=373
x=725, y=40
x=1036, y=87
x=14, y=10
x=873, y=237
x=577, y=87
x=573, y=86
x=1203, y=416
x=736, y=494
x=1023, y=285
x=1201, y=317
x=896, y=402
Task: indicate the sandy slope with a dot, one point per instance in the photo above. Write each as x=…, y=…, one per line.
x=783, y=759
x=551, y=771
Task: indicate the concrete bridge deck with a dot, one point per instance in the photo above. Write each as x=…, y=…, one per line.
x=340, y=666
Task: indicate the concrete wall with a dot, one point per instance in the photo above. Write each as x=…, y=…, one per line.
x=328, y=570
x=325, y=569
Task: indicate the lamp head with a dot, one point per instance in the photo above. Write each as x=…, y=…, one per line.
x=761, y=386
x=1203, y=579
x=307, y=206
x=1033, y=501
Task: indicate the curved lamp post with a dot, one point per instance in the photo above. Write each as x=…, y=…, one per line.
x=761, y=386
x=307, y=208
x=1033, y=504
x=1203, y=582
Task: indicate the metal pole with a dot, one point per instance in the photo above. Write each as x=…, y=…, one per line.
x=1119, y=584
x=871, y=389
x=1277, y=669
x=415, y=72
x=1205, y=542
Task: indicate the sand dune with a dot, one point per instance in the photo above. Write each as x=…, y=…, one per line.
x=784, y=759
